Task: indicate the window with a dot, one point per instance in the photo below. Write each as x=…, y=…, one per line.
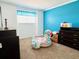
x=26, y=16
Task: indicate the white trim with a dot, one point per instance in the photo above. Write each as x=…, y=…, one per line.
x=60, y=5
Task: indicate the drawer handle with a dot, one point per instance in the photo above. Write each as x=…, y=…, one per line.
x=74, y=44
x=75, y=35
x=75, y=39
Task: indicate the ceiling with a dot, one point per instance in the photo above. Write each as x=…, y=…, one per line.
x=39, y=4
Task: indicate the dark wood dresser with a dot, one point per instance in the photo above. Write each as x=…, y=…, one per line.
x=10, y=45
x=69, y=37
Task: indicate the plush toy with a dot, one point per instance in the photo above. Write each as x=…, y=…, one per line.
x=35, y=43
x=44, y=41
x=49, y=32
x=54, y=38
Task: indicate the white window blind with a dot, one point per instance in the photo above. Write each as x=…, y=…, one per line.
x=26, y=17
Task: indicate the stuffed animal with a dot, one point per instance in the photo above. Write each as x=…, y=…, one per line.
x=44, y=41
x=54, y=38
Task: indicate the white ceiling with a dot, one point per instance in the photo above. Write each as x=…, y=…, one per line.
x=39, y=4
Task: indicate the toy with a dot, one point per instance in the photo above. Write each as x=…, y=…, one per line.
x=38, y=41
x=54, y=38
x=66, y=24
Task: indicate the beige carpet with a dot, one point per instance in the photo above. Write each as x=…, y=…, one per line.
x=56, y=51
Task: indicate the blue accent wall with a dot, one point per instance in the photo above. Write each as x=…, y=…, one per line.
x=66, y=13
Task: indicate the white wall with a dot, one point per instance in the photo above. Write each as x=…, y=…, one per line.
x=40, y=22
x=9, y=12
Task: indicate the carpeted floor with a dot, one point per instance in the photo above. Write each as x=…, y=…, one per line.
x=56, y=51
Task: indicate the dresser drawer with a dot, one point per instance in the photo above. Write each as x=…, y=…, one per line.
x=75, y=39
x=67, y=43
x=66, y=32
x=70, y=39
x=70, y=33
x=75, y=45
x=70, y=44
